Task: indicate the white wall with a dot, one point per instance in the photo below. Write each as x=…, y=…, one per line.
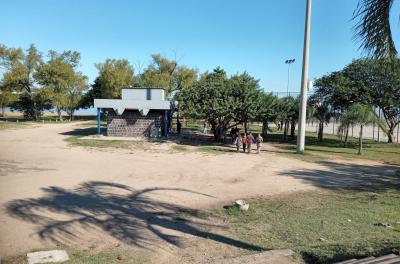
x=141, y=94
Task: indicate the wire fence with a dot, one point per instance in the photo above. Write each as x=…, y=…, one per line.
x=286, y=94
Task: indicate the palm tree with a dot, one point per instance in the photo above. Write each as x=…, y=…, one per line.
x=346, y=120
x=361, y=115
x=320, y=111
x=373, y=28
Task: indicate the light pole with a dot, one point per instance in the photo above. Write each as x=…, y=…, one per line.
x=304, y=82
x=288, y=62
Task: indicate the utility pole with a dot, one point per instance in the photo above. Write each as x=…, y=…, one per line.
x=288, y=62
x=304, y=82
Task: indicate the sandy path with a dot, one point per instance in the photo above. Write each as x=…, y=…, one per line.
x=79, y=198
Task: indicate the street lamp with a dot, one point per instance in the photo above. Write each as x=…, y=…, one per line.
x=304, y=82
x=288, y=62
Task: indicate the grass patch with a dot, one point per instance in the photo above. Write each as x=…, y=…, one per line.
x=88, y=257
x=109, y=257
x=193, y=127
x=214, y=150
x=75, y=139
x=179, y=148
x=322, y=227
x=93, y=143
x=331, y=146
x=14, y=125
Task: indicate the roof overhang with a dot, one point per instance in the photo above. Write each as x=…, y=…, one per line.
x=144, y=106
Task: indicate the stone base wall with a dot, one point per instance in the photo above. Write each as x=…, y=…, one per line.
x=132, y=124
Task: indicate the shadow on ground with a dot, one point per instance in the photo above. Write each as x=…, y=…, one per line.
x=12, y=167
x=87, y=131
x=352, y=176
x=128, y=215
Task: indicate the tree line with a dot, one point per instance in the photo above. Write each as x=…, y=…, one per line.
x=364, y=83
x=32, y=84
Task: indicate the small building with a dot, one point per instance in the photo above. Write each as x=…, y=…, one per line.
x=141, y=112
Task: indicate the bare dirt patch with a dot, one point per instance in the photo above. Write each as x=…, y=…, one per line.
x=54, y=194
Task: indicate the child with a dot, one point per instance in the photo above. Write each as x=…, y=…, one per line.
x=250, y=141
x=205, y=127
x=259, y=141
x=238, y=142
x=244, y=141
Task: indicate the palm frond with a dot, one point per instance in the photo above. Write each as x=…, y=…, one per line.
x=373, y=28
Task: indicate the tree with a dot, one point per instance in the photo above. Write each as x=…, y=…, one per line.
x=60, y=77
x=33, y=104
x=113, y=76
x=373, y=28
x=167, y=74
x=210, y=98
x=287, y=114
x=320, y=111
x=266, y=110
x=7, y=99
x=365, y=81
x=246, y=92
x=18, y=77
x=378, y=83
x=361, y=115
x=75, y=94
x=338, y=91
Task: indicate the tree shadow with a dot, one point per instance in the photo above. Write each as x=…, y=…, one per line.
x=11, y=167
x=352, y=176
x=187, y=138
x=125, y=214
x=81, y=132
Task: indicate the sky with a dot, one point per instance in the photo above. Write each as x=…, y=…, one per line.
x=256, y=36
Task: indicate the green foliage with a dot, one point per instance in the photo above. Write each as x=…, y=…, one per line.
x=246, y=93
x=373, y=28
x=113, y=76
x=167, y=74
x=20, y=68
x=33, y=104
x=209, y=98
x=65, y=85
x=7, y=99
x=224, y=102
x=379, y=81
x=365, y=81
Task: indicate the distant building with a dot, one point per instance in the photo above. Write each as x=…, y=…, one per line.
x=141, y=112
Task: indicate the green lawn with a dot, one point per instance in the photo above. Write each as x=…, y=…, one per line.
x=331, y=146
x=322, y=227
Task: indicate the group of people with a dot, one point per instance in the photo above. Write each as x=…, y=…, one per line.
x=246, y=141
x=241, y=140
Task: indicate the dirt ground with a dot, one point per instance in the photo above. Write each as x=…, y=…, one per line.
x=53, y=194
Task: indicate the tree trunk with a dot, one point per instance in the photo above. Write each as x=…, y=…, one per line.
x=360, y=140
x=59, y=114
x=321, y=131
x=214, y=129
x=71, y=115
x=265, y=129
x=2, y=111
x=347, y=136
x=292, y=128
x=245, y=126
x=285, y=130
x=391, y=132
